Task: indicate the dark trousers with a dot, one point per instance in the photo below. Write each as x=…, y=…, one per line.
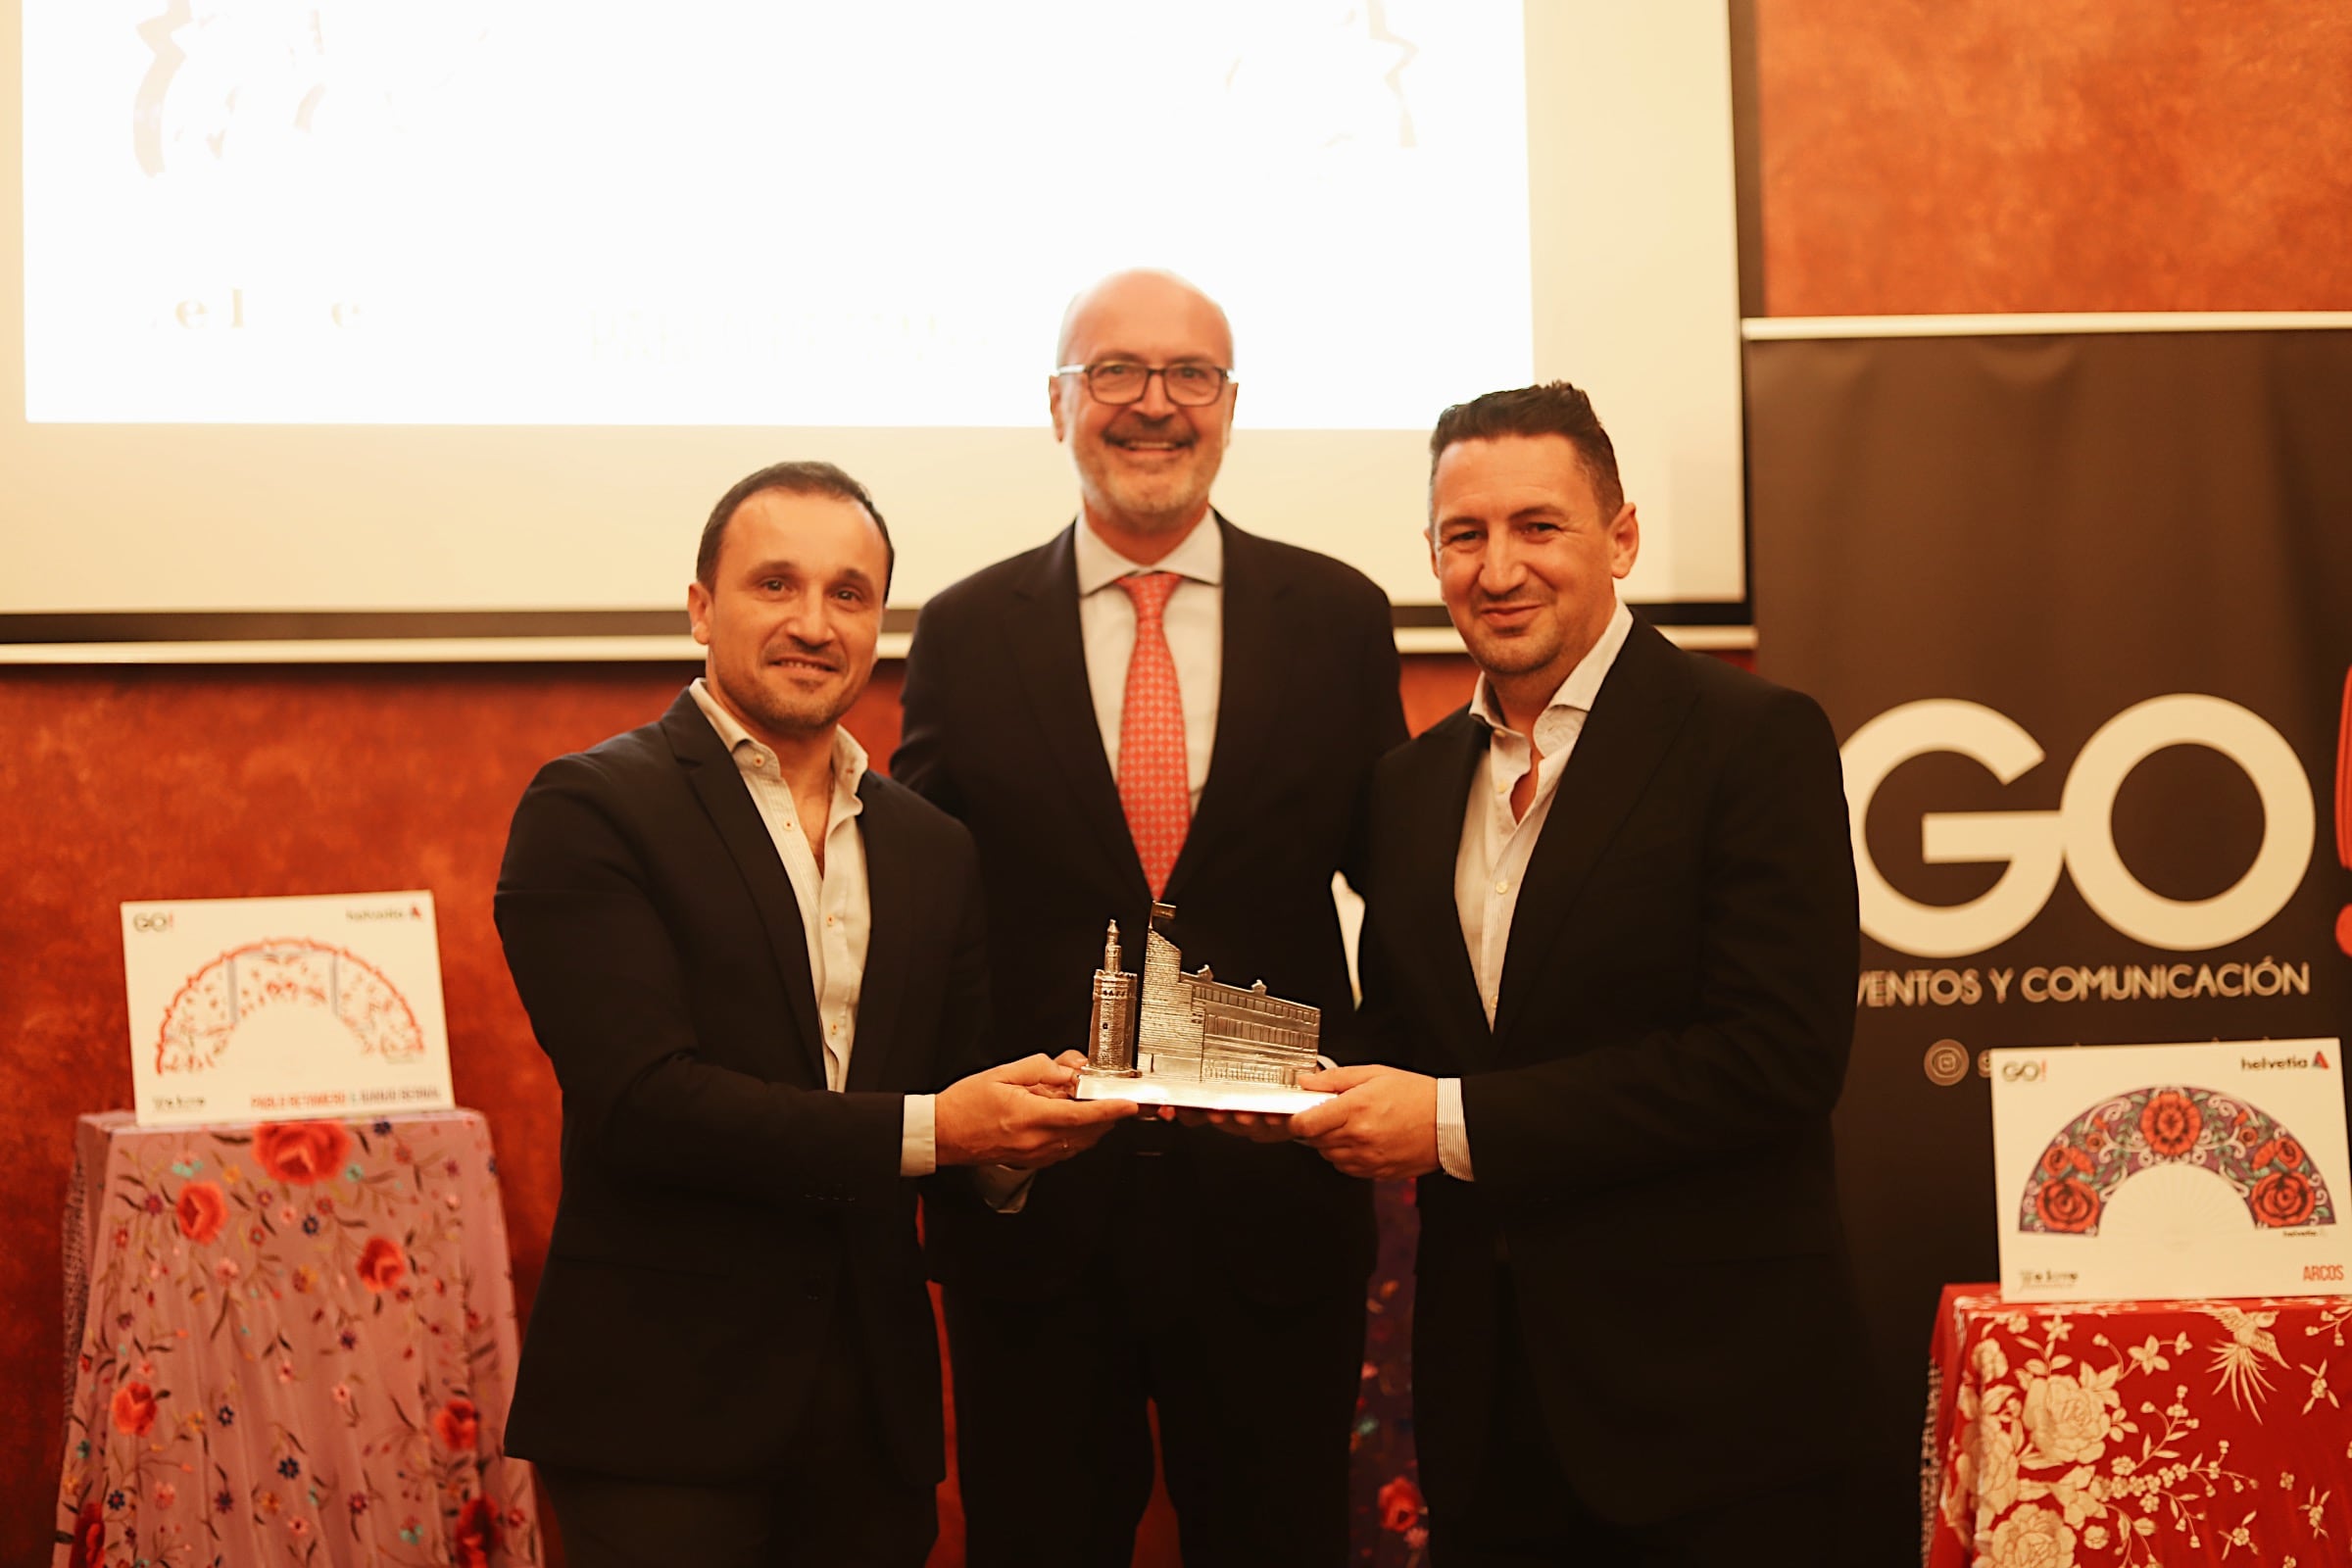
x=839, y=1501
x=1524, y=1513
x=1053, y=1404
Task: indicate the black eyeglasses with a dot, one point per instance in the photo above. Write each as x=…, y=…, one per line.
x=1118, y=381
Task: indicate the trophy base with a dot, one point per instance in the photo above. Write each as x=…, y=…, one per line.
x=1193, y=1093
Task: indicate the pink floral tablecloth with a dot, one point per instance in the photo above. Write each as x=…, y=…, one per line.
x=289, y=1343
x=2158, y=1434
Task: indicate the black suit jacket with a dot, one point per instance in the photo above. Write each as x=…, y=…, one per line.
x=999, y=731
x=726, y=1219
x=1648, y=1118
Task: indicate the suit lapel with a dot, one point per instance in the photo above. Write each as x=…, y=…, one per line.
x=724, y=795
x=1050, y=652
x=1635, y=716
x=1435, y=802
x=891, y=879
x=1248, y=692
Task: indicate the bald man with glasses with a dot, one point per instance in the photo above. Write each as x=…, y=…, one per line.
x=1155, y=706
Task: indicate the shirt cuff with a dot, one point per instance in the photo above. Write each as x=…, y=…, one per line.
x=1453, y=1133
x=1002, y=1188
x=919, y=1135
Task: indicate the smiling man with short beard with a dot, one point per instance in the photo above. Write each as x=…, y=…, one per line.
x=756, y=968
x=1608, y=966
x=1155, y=706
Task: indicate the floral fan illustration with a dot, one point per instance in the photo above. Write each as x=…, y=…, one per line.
x=2180, y=1131
x=291, y=975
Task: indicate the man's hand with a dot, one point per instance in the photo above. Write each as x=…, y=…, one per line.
x=1020, y=1115
x=1060, y=1089
x=1383, y=1125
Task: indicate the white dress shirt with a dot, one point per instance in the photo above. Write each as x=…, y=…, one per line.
x=836, y=911
x=1194, y=624
x=1492, y=859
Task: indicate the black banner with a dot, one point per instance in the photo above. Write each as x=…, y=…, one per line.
x=2080, y=609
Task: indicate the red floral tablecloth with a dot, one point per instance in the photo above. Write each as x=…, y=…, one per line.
x=290, y=1343
x=1390, y=1530
x=2157, y=1434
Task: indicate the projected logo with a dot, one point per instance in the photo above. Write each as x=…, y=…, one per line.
x=250, y=80
x=301, y=987
x=2125, y=1136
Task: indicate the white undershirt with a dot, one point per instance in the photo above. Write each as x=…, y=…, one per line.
x=1490, y=861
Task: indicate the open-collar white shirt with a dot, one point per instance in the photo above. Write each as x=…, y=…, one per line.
x=1490, y=861
x=835, y=903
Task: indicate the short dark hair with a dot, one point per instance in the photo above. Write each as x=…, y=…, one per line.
x=797, y=478
x=1553, y=407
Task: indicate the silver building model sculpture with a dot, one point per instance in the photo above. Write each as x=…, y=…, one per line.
x=1178, y=1039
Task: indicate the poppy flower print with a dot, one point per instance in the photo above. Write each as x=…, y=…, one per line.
x=382, y=1263
x=134, y=1408
x=2171, y=1122
x=2098, y=1151
x=302, y=1153
x=2283, y=1198
x=290, y=1329
x=456, y=1424
x=201, y=1212
x=2069, y=1206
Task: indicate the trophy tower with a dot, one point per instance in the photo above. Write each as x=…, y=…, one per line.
x=1110, y=1034
x=1182, y=1039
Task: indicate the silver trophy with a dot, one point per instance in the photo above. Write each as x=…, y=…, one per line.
x=1178, y=1039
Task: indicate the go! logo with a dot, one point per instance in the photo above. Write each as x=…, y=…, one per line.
x=2079, y=837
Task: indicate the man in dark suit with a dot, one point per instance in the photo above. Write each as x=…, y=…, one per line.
x=752, y=962
x=1610, y=948
x=1155, y=705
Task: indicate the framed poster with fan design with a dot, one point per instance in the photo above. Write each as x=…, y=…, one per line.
x=2171, y=1171
x=275, y=1010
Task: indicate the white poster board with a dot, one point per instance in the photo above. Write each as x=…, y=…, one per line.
x=2170, y=1171
x=273, y=1010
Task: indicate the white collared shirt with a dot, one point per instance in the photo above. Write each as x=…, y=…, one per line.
x=1490, y=861
x=836, y=908
x=1194, y=624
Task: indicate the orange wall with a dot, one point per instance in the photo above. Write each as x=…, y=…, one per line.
x=211, y=783
x=1954, y=156
x=1922, y=157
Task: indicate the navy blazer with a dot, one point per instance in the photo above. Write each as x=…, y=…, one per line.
x=1648, y=1117
x=1000, y=732
x=725, y=1220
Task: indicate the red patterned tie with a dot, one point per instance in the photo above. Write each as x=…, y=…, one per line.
x=1154, y=785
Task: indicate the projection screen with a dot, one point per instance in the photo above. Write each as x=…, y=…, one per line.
x=449, y=319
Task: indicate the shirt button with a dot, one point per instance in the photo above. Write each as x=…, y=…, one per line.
x=1502, y=884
